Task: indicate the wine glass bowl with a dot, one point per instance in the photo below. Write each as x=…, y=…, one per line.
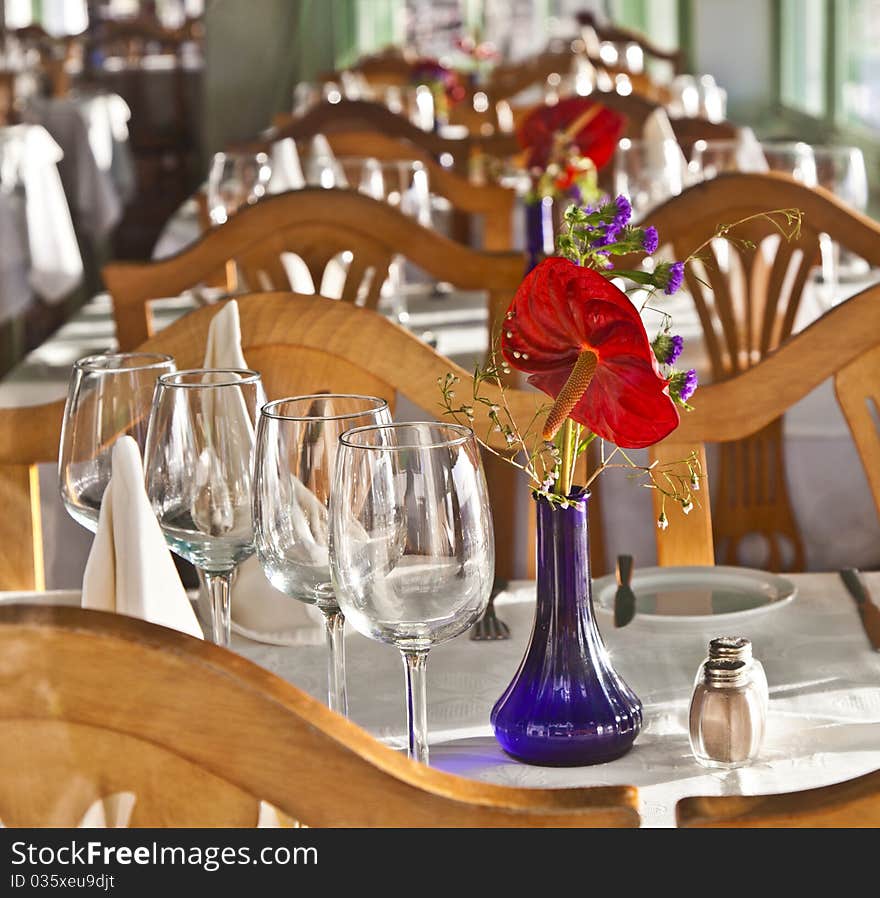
x=236, y=180
x=109, y=396
x=411, y=542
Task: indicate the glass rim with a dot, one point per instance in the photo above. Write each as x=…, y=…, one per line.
x=786, y=144
x=90, y=363
x=250, y=377
x=465, y=435
x=268, y=409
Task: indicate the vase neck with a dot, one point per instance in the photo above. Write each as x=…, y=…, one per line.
x=564, y=561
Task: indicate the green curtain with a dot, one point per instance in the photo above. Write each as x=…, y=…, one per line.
x=257, y=51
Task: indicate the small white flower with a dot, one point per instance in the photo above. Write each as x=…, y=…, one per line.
x=687, y=507
x=662, y=521
x=695, y=483
x=510, y=438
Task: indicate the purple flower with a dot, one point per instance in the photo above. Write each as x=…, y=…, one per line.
x=683, y=385
x=624, y=212
x=667, y=348
x=669, y=276
x=650, y=240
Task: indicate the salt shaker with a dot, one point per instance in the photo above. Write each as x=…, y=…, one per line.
x=727, y=714
x=737, y=648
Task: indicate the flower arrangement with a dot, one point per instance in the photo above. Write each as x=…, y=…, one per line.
x=444, y=83
x=581, y=340
x=565, y=145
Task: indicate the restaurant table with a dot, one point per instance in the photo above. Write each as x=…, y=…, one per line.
x=823, y=724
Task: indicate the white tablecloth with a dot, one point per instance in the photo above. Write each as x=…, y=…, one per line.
x=823, y=726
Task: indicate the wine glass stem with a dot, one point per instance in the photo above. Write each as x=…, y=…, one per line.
x=219, y=588
x=337, y=697
x=415, y=664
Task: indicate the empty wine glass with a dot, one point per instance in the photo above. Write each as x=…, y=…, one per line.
x=412, y=554
x=297, y=443
x=795, y=158
x=648, y=172
x=198, y=467
x=236, y=180
x=109, y=396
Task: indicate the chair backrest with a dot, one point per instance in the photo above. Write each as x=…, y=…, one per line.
x=747, y=293
x=844, y=344
x=494, y=204
x=317, y=225
x=221, y=735
x=364, y=115
x=852, y=803
x=616, y=34
x=301, y=344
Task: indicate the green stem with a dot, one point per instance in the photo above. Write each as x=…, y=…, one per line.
x=567, y=462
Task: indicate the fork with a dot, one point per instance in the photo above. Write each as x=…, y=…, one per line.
x=489, y=627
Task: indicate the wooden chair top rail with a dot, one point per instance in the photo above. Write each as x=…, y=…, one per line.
x=362, y=337
x=247, y=729
x=736, y=195
x=365, y=115
x=618, y=34
x=854, y=803
x=280, y=321
x=741, y=406
x=349, y=214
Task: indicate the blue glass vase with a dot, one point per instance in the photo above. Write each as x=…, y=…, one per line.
x=566, y=706
x=535, y=226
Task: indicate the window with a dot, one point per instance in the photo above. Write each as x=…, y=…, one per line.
x=803, y=55
x=859, y=67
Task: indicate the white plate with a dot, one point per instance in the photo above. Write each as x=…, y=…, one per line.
x=698, y=593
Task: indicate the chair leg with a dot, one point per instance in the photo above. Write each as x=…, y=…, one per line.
x=21, y=532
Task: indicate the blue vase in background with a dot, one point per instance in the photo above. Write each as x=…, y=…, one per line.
x=566, y=706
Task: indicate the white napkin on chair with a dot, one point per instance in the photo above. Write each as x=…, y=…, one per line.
x=749, y=154
x=663, y=153
x=287, y=173
x=129, y=569
x=258, y=609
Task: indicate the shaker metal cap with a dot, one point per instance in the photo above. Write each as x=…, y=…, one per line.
x=725, y=672
x=732, y=647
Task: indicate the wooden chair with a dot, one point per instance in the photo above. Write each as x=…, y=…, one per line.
x=317, y=225
x=853, y=803
x=363, y=115
x=221, y=735
x=844, y=344
x=492, y=203
x=619, y=35
x=301, y=345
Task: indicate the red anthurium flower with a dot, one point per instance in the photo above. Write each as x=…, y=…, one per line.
x=583, y=343
x=596, y=138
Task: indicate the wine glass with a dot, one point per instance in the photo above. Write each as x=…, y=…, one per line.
x=648, y=172
x=198, y=467
x=236, y=180
x=109, y=396
x=795, y=158
x=412, y=554
x=842, y=170
x=297, y=443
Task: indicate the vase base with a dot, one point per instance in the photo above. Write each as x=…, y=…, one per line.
x=572, y=757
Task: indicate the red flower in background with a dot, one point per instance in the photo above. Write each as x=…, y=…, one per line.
x=596, y=139
x=584, y=344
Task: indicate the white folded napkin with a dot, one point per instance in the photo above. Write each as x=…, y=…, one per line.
x=258, y=610
x=31, y=155
x=287, y=173
x=749, y=154
x=663, y=153
x=129, y=569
